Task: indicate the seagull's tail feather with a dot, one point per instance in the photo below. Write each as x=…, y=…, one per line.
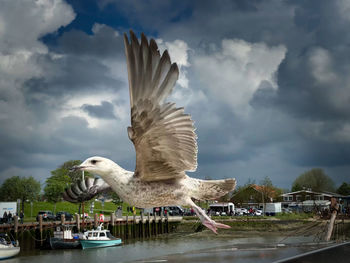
x=214, y=189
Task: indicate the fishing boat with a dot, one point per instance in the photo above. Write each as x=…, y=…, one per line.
x=8, y=249
x=99, y=238
x=64, y=239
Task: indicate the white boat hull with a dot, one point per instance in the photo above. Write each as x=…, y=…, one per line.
x=9, y=252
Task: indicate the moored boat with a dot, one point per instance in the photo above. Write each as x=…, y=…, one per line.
x=64, y=239
x=8, y=249
x=99, y=238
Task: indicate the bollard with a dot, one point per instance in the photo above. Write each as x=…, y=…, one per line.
x=77, y=218
x=63, y=216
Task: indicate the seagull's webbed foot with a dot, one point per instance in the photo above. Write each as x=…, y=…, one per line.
x=209, y=223
x=213, y=226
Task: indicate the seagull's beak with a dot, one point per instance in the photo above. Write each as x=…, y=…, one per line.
x=77, y=168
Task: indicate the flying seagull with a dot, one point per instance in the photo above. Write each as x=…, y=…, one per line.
x=164, y=138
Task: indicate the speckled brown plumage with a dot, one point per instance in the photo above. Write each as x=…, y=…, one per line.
x=164, y=139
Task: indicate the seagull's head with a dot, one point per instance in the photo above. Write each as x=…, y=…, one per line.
x=96, y=165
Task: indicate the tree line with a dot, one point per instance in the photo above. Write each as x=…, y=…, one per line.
x=30, y=189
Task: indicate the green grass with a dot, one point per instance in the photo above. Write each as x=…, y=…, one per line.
x=294, y=216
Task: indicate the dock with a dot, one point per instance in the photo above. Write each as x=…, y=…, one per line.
x=35, y=234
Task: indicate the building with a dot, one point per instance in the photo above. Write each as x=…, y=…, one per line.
x=254, y=196
x=308, y=200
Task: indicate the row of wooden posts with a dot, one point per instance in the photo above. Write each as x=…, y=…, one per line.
x=129, y=227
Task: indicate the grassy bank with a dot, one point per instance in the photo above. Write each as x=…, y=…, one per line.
x=258, y=225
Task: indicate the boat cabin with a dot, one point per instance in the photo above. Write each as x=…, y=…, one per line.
x=63, y=232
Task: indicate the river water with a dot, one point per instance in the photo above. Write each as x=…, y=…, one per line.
x=182, y=247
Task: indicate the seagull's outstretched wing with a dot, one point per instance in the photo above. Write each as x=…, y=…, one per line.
x=85, y=190
x=163, y=136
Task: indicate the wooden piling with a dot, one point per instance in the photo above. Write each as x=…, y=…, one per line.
x=113, y=219
x=41, y=229
x=161, y=223
x=63, y=216
x=77, y=218
x=167, y=223
x=155, y=224
x=149, y=225
x=127, y=227
x=16, y=226
x=95, y=220
x=335, y=208
x=142, y=225
x=134, y=226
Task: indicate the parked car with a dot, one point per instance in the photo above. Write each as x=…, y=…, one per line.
x=258, y=212
x=47, y=215
x=67, y=216
x=241, y=211
x=174, y=210
x=286, y=211
x=189, y=212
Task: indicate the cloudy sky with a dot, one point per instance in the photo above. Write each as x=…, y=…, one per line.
x=266, y=82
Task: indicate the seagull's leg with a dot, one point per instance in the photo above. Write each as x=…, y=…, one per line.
x=209, y=223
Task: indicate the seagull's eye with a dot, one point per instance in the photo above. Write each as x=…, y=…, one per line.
x=94, y=161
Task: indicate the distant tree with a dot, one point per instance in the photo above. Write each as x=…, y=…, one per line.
x=344, y=189
x=296, y=187
x=315, y=179
x=267, y=189
x=55, y=186
x=60, y=179
x=115, y=198
x=270, y=191
x=250, y=182
x=74, y=175
x=23, y=188
x=252, y=192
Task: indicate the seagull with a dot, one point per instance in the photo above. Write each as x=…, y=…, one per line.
x=164, y=139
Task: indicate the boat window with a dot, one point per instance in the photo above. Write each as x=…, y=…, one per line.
x=95, y=234
x=89, y=234
x=102, y=234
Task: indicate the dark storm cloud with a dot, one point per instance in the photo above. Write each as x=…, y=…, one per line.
x=301, y=124
x=70, y=74
x=104, y=43
x=104, y=111
x=264, y=96
x=303, y=27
